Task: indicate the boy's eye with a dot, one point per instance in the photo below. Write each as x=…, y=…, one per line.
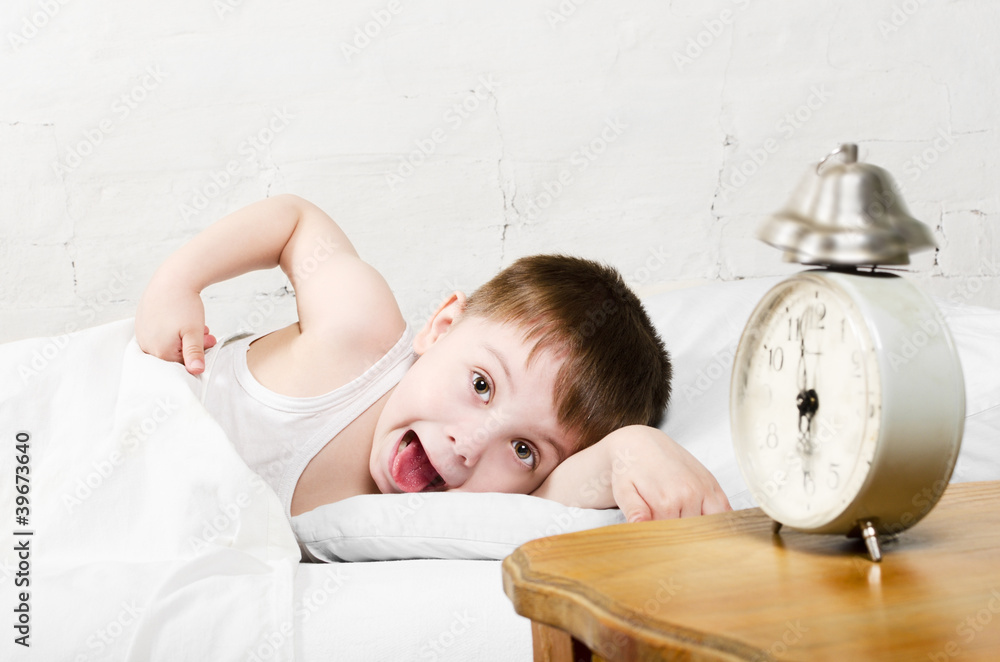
x=481, y=387
x=524, y=452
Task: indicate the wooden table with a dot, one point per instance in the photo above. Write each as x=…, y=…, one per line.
x=722, y=587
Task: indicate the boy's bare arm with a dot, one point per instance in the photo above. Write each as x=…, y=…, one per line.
x=642, y=471
x=284, y=231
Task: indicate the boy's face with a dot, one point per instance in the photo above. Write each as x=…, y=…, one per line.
x=471, y=414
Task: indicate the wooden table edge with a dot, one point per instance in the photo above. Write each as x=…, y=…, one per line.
x=577, y=604
x=595, y=612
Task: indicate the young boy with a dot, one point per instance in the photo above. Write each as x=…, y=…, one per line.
x=543, y=382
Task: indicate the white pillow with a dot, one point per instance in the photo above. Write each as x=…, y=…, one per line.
x=436, y=525
x=701, y=327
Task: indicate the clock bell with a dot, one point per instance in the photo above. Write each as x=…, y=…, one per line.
x=846, y=213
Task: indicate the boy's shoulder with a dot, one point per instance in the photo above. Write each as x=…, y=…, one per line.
x=359, y=314
x=338, y=336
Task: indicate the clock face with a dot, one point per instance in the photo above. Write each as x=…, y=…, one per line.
x=805, y=402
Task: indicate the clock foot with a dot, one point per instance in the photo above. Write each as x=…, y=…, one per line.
x=870, y=536
x=775, y=527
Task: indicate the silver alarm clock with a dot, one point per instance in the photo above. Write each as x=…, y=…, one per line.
x=847, y=399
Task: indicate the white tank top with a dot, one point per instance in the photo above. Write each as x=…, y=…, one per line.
x=277, y=435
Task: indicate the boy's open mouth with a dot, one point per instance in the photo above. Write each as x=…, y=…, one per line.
x=411, y=468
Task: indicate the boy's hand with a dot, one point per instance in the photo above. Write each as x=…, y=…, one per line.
x=642, y=471
x=653, y=477
x=170, y=325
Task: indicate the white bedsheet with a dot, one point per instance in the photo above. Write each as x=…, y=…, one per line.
x=421, y=609
x=151, y=539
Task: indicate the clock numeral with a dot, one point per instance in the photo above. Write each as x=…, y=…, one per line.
x=797, y=327
x=776, y=359
x=766, y=395
x=856, y=362
x=771, y=441
x=808, y=484
x=832, y=477
x=816, y=314
x=812, y=318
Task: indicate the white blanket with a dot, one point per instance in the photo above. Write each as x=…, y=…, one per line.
x=149, y=538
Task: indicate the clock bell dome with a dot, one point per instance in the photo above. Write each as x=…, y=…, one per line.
x=846, y=214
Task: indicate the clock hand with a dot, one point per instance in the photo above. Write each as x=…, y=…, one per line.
x=807, y=403
x=803, y=377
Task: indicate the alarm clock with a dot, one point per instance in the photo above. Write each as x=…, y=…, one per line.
x=847, y=400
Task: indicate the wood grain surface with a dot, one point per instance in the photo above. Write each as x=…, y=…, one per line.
x=723, y=587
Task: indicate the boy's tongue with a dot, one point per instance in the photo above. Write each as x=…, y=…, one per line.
x=412, y=469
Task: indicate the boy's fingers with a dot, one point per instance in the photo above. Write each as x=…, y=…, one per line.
x=631, y=504
x=192, y=348
x=209, y=340
x=715, y=503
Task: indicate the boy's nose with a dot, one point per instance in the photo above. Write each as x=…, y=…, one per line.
x=469, y=446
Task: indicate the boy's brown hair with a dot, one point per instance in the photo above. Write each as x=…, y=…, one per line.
x=616, y=371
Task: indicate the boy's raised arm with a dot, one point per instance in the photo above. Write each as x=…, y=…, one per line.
x=642, y=471
x=284, y=231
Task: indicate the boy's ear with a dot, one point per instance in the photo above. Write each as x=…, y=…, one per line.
x=440, y=322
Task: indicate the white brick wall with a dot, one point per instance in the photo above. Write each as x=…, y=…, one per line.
x=451, y=137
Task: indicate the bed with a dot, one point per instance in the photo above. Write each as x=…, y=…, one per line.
x=145, y=537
